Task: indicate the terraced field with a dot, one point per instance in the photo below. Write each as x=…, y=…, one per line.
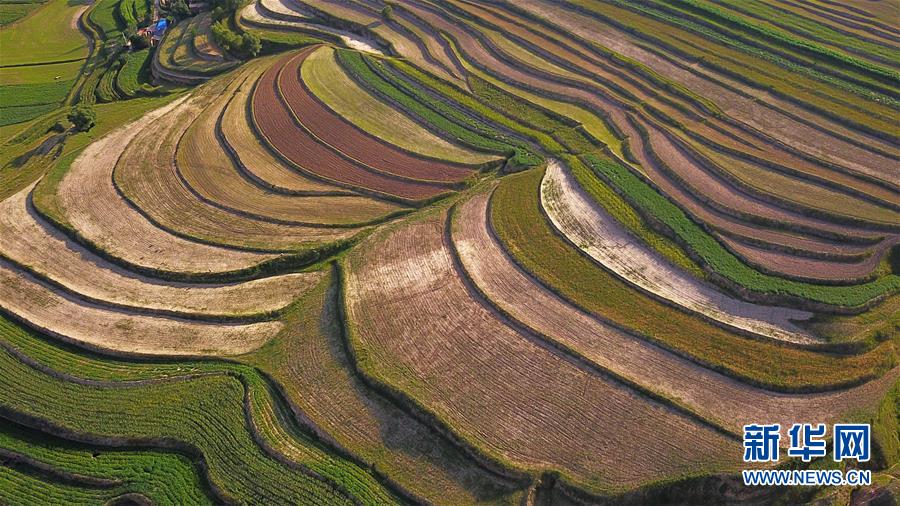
x=458, y=252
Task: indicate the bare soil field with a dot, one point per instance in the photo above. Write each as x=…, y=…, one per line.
x=294, y=142
x=346, y=138
x=252, y=157
x=212, y=176
x=464, y=363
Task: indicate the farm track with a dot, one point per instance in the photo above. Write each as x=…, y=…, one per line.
x=590, y=229
x=434, y=345
x=717, y=398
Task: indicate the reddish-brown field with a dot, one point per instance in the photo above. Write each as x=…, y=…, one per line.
x=346, y=138
x=292, y=141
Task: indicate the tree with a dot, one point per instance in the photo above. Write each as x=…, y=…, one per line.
x=250, y=44
x=83, y=117
x=180, y=9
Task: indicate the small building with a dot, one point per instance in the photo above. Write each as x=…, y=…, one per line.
x=158, y=30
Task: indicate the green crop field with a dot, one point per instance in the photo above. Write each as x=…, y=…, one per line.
x=467, y=252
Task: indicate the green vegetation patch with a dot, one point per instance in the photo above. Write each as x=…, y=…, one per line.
x=197, y=406
x=166, y=478
x=49, y=35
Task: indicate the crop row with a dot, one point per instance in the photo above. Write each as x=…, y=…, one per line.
x=517, y=218
x=69, y=266
x=166, y=478
x=341, y=94
x=847, y=38
x=865, y=116
x=310, y=361
x=285, y=132
x=589, y=228
x=346, y=138
x=433, y=112
x=213, y=178
x=207, y=409
x=504, y=393
x=721, y=261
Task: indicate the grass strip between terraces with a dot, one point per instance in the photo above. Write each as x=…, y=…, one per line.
x=528, y=237
x=210, y=409
x=721, y=261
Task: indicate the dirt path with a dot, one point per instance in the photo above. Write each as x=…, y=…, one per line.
x=711, y=395
x=599, y=235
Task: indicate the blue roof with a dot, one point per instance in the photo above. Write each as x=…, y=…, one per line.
x=161, y=25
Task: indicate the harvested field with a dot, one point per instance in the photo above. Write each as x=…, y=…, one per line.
x=212, y=176
x=531, y=241
x=94, y=208
x=346, y=138
x=54, y=256
x=309, y=358
x=711, y=395
x=331, y=85
x=101, y=328
x=255, y=159
x=440, y=339
x=771, y=113
x=147, y=176
x=292, y=141
x=589, y=228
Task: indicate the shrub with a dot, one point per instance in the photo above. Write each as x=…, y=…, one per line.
x=83, y=117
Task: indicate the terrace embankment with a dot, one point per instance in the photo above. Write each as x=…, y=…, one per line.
x=610, y=349
x=501, y=390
